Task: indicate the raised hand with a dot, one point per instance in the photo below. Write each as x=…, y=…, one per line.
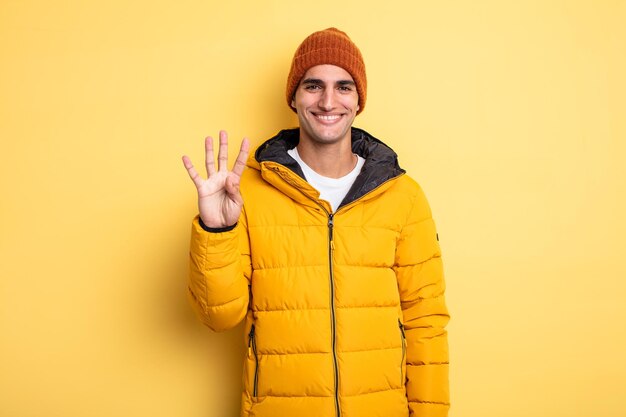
x=219, y=199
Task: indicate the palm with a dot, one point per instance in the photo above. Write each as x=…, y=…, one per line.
x=219, y=199
x=217, y=206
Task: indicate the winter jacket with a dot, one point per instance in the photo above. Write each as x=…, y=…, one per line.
x=344, y=311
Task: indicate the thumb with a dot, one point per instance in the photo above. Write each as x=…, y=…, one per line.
x=232, y=188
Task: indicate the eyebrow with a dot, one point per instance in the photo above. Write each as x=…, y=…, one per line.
x=312, y=81
x=320, y=82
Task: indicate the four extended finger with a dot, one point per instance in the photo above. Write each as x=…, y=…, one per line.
x=222, y=156
x=209, y=158
x=240, y=163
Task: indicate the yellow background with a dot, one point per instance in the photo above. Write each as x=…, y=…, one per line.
x=511, y=115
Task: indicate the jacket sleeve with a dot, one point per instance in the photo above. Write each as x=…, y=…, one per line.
x=219, y=274
x=421, y=285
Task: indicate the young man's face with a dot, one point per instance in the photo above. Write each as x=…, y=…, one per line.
x=326, y=102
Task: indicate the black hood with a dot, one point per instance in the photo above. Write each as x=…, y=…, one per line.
x=381, y=162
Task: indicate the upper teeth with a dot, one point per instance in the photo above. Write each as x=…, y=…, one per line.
x=328, y=117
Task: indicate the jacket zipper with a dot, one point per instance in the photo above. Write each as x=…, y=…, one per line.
x=252, y=343
x=331, y=246
x=403, y=352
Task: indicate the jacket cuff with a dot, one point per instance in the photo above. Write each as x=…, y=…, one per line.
x=215, y=229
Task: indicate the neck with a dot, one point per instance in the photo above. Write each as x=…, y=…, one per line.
x=333, y=160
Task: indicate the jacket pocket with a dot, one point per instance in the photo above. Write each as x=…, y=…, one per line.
x=252, y=345
x=403, y=340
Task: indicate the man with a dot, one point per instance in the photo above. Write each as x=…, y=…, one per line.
x=333, y=260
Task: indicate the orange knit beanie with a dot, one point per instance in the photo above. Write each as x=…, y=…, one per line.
x=329, y=46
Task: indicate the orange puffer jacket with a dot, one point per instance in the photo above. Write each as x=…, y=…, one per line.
x=345, y=311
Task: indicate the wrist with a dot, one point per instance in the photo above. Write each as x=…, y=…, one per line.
x=215, y=229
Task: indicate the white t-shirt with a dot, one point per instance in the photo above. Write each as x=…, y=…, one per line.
x=332, y=190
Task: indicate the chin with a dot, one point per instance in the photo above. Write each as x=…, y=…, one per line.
x=328, y=138
x=329, y=135
x=319, y=133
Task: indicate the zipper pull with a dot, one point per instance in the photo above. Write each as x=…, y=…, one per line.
x=330, y=227
x=251, y=336
x=401, y=328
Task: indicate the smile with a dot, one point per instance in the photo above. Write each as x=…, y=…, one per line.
x=328, y=118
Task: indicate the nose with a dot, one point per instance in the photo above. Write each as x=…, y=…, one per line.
x=327, y=100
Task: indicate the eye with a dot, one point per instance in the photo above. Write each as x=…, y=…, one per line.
x=345, y=88
x=312, y=87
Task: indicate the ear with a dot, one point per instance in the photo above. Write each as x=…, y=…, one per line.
x=293, y=103
x=358, y=107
